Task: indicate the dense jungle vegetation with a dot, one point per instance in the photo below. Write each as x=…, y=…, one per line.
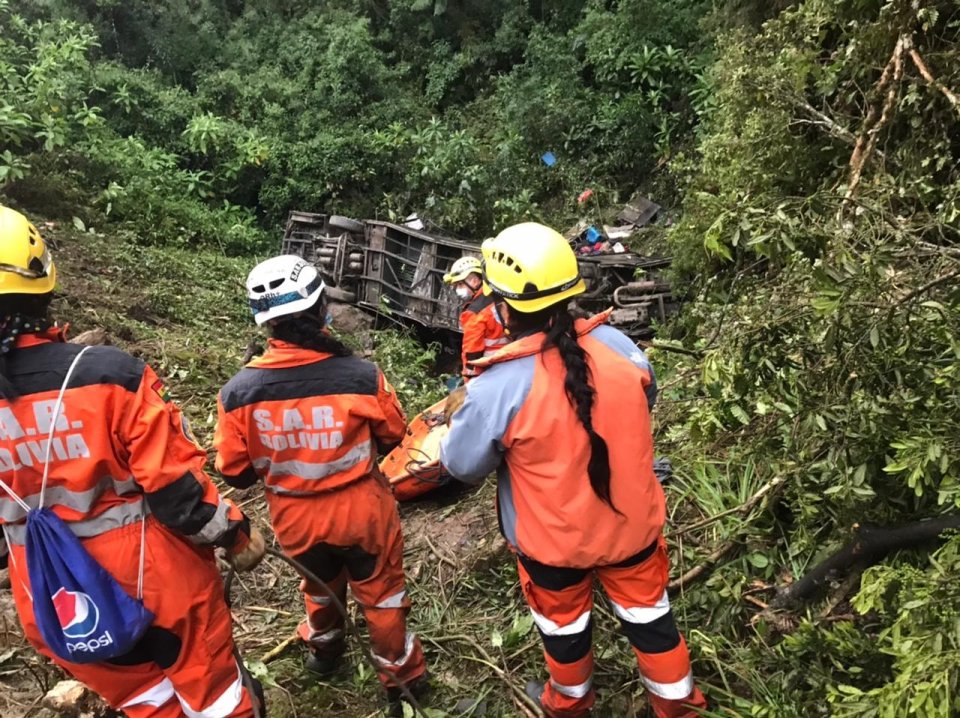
x=809, y=152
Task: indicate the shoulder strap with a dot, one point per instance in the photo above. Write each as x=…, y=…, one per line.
x=53, y=422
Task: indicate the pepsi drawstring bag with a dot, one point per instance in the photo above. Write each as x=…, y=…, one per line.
x=83, y=614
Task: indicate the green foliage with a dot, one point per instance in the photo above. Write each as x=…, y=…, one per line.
x=410, y=367
x=921, y=610
x=44, y=83
x=823, y=302
x=828, y=317
x=439, y=108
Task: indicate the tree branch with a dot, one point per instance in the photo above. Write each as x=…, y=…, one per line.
x=670, y=348
x=869, y=546
x=928, y=76
x=743, y=509
x=697, y=571
x=927, y=287
x=821, y=119
x=867, y=139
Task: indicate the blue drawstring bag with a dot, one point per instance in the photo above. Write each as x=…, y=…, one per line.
x=83, y=614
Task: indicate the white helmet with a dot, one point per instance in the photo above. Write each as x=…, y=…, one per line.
x=463, y=268
x=283, y=285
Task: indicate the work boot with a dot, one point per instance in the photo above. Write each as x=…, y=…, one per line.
x=534, y=689
x=418, y=687
x=326, y=663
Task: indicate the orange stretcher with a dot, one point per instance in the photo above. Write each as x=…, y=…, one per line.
x=413, y=468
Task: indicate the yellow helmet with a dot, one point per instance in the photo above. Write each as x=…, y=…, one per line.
x=26, y=266
x=463, y=268
x=531, y=266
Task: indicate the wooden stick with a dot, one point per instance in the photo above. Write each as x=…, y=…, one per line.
x=743, y=509
x=928, y=76
x=446, y=559
x=277, y=650
x=697, y=571
x=528, y=705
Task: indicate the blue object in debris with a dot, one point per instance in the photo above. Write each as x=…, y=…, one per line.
x=593, y=235
x=549, y=159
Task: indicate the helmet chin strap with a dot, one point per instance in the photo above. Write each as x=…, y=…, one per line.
x=499, y=307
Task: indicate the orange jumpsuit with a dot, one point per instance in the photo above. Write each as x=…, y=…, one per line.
x=518, y=421
x=483, y=333
x=308, y=424
x=122, y=451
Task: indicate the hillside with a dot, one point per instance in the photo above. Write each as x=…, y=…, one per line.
x=808, y=155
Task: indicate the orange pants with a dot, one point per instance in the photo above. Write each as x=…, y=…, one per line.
x=184, y=664
x=561, y=601
x=352, y=536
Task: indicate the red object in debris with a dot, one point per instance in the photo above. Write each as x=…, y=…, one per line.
x=584, y=196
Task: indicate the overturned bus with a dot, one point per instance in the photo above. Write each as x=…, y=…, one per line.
x=396, y=271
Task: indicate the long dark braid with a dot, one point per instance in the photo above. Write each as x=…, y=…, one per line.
x=562, y=334
x=558, y=323
x=307, y=330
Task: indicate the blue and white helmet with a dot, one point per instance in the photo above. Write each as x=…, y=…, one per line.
x=283, y=285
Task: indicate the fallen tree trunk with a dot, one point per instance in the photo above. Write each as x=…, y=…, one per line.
x=869, y=546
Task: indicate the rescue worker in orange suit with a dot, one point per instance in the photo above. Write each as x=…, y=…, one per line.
x=483, y=333
x=307, y=418
x=563, y=415
x=124, y=474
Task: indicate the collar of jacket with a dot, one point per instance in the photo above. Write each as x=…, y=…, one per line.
x=283, y=355
x=53, y=334
x=533, y=343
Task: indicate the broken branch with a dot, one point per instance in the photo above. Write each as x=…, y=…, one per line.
x=867, y=139
x=869, y=546
x=743, y=509
x=526, y=703
x=278, y=650
x=928, y=76
x=670, y=348
x=821, y=119
x=697, y=571
x=928, y=286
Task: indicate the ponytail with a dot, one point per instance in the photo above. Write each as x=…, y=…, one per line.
x=562, y=334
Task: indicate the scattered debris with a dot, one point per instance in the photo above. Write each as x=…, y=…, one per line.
x=93, y=338
x=639, y=212
x=72, y=698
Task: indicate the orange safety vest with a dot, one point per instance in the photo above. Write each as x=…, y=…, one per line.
x=304, y=421
x=518, y=421
x=120, y=447
x=483, y=334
